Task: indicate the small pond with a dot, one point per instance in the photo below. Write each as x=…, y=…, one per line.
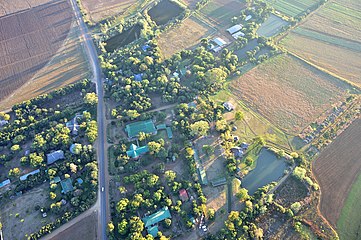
x=269, y=168
x=164, y=11
x=123, y=39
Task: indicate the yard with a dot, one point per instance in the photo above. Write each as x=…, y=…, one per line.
x=330, y=39
x=186, y=35
x=288, y=92
x=332, y=173
x=19, y=217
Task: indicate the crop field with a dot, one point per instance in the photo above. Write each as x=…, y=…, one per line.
x=28, y=40
x=191, y=3
x=288, y=92
x=272, y=26
x=349, y=222
x=330, y=39
x=13, y=6
x=192, y=31
x=292, y=8
x=336, y=169
x=220, y=12
x=101, y=9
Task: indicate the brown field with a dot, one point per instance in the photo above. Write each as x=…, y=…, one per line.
x=337, y=26
x=336, y=169
x=28, y=40
x=84, y=229
x=13, y=6
x=192, y=31
x=100, y=9
x=288, y=92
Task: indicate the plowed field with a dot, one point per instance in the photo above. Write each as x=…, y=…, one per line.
x=28, y=40
x=336, y=169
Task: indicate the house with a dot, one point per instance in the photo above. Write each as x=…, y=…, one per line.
x=66, y=185
x=234, y=28
x=136, y=152
x=229, y=106
x=219, y=42
x=24, y=177
x=238, y=34
x=183, y=195
x=138, y=77
x=145, y=47
x=54, y=156
x=244, y=146
x=169, y=132
x=235, y=138
x=55, y=180
x=248, y=17
x=73, y=124
x=73, y=148
x=4, y=183
x=133, y=129
x=79, y=181
x=237, y=152
x=3, y=122
x=151, y=221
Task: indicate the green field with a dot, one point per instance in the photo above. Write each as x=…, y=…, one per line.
x=292, y=8
x=349, y=222
x=272, y=26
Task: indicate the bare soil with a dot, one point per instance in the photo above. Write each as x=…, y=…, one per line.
x=336, y=169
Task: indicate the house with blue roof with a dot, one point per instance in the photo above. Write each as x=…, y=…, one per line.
x=4, y=183
x=138, y=77
x=24, y=177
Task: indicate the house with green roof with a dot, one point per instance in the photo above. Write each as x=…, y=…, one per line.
x=66, y=185
x=135, y=151
x=151, y=221
x=133, y=129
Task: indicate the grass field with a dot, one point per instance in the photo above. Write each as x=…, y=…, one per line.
x=272, y=26
x=220, y=12
x=349, y=222
x=288, y=92
x=331, y=39
x=336, y=169
x=101, y=9
x=184, y=36
x=292, y=8
x=28, y=41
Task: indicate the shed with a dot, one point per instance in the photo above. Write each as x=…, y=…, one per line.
x=219, y=41
x=229, y=106
x=183, y=195
x=54, y=156
x=24, y=177
x=248, y=17
x=4, y=183
x=169, y=132
x=55, y=180
x=238, y=34
x=133, y=129
x=138, y=77
x=234, y=28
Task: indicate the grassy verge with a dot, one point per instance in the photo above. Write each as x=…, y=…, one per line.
x=349, y=222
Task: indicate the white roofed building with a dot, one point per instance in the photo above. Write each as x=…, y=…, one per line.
x=234, y=28
x=248, y=17
x=238, y=34
x=219, y=41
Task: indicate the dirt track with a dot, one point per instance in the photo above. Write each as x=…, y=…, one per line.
x=336, y=169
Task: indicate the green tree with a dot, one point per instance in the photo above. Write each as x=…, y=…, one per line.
x=132, y=114
x=15, y=148
x=199, y=128
x=14, y=172
x=154, y=147
x=239, y=115
x=221, y=125
x=170, y=175
x=122, y=205
x=123, y=227
x=215, y=75
x=52, y=195
x=242, y=194
x=208, y=149
x=91, y=98
x=110, y=227
x=35, y=159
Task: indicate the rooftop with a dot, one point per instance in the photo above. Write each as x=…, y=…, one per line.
x=135, y=151
x=66, y=185
x=4, y=183
x=183, y=195
x=54, y=156
x=156, y=217
x=24, y=177
x=133, y=129
x=219, y=41
x=235, y=28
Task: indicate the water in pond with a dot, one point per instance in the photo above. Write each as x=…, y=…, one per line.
x=269, y=168
x=123, y=38
x=164, y=11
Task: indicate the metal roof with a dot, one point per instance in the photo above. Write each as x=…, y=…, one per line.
x=156, y=217
x=24, y=177
x=136, y=151
x=133, y=129
x=54, y=156
x=235, y=28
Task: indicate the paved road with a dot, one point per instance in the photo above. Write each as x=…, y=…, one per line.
x=102, y=164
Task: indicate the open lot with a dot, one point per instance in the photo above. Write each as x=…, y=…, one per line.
x=28, y=41
x=330, y=39
x=272, y=26
x=101, y=9
x=292, y=8
x=186, y=35
x=288, y=92
x=19, y=216
x=220, y=12
x=336, y=169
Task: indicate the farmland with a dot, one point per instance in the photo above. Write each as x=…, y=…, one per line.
x=39, y=33
x=192, y=31
x=101, y=9
x=339, y=161
x=330, y=39
x=220, y=12
x=293, y=8
x=13, y=6
x=271, y=26
x=266, y=87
